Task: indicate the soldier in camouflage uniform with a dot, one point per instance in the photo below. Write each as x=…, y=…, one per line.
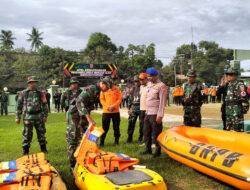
x=192, y=101
x=76, y=121
x=32, y=104
x=222, y=90
x=236, y=101
x=134, y=108
x=4, y=103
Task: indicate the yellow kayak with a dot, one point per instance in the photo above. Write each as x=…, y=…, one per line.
x=100, y=170
x=136, y=179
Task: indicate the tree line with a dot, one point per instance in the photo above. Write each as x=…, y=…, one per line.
x=207, y=58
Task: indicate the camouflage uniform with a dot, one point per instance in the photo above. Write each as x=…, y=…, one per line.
x=236, y=105
x=4, y=103
x=33, y=105
x=134, y=107
x=76, y=124
x=222, y=90
x=192, y=102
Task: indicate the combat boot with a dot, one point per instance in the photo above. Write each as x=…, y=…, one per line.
x=116, y=141
x=44, y=148
x=101, y=142
x=130, y=139
x=25, y=150
x=157, y=152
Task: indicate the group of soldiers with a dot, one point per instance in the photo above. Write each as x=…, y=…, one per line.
x=234, y=101
x=32, y=104
x=209, y=94
x=146, y=101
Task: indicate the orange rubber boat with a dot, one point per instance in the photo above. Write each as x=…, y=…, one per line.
x=224, y=155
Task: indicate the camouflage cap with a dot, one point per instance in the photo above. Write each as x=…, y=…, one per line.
x=231, y=71
x=32, y=79
x=73, y=80
x=191, y=73
x=94, y=89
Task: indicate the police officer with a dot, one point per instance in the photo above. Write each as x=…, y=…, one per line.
x=32, y=104
x=155, y=105
x=76, y=123
x=134, y=108
x=192, y=100
x=4, y=103
x=236, y=101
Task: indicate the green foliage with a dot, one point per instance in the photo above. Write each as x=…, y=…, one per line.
x=35, y=38
x=136, y=59
x=208, y=59
x=6, y=40
x=100, y=49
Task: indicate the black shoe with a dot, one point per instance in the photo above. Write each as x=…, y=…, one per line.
x=25, y=150
x=116, y=142
x=146, y=152
x=140, y=139
x=44, y=148
x=129, y=140
x=157, y=154
x=101, y=144
x=72, y=170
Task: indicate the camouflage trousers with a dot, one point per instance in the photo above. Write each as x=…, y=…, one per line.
x=76, y=126
x=28, y=132
x=131, y=122
x=4, y=108
x=192, y=116
x=234, y=118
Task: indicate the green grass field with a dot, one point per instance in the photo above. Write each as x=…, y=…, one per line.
x=176, y=175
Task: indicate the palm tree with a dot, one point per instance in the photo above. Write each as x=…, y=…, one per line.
x=35, y=39
x=6, y=39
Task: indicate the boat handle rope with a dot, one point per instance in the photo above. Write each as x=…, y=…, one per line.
x=215, y=150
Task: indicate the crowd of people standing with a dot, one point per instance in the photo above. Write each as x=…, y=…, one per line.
x=145, y=97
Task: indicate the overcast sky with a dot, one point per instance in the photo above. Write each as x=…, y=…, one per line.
x=167, y=23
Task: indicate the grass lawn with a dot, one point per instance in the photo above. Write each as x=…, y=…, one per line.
x=176, y=175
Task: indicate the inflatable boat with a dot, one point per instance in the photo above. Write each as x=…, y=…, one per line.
x=224, y=155
x=97, y=169
x=31, y=172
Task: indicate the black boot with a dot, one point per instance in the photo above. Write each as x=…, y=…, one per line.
x=44, y=148
x=129, y=139
x=116, y=141
x=147, y=151
x=140, y=141
x=101, y=142
x=25, y=150
x=157, y=152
